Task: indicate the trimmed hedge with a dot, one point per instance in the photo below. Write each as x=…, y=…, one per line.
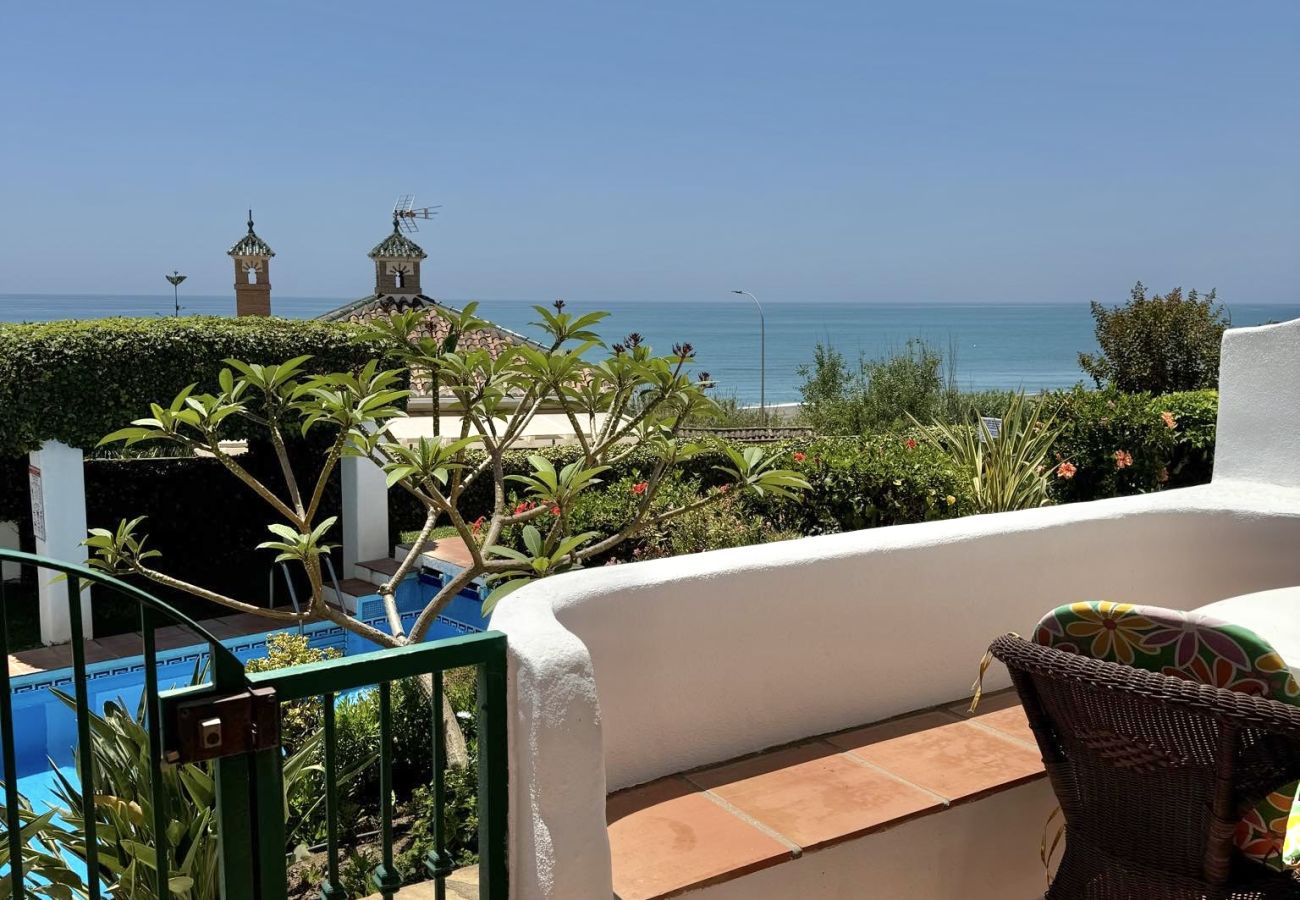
x=206, y=524
x=866, y=482
x=76, y=381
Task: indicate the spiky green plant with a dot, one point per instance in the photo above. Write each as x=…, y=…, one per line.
x=123, y=809
x=46, y=872
x=1011, y=469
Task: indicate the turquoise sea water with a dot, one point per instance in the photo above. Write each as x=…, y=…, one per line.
x=1013, y=345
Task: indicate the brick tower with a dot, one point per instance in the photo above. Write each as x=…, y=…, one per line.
x=397, y=265
x=252, y=257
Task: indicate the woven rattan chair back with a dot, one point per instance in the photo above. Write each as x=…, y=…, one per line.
x=1151, y=773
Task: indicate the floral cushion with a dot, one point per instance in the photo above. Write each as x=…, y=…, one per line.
x=1207, y=651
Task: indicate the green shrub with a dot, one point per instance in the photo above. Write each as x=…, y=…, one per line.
x=460, y=817
x=876, y=394
x=866, y=482
x=1195, y=416
x=1115, y=444
x=299, y=719
x=76, y=381
x=855, y=483
x=357, y=732
x=406, y=514
x=728, y=523
x=880, y=395
x=1158, y=344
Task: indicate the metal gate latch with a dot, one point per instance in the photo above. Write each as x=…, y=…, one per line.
x=213, y=727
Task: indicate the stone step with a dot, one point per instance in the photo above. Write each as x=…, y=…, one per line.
x=351, y=589
x=376, y=571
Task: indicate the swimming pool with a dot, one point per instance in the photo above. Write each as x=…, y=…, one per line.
x=45, y=732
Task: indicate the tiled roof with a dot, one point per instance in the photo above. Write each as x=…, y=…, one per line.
x=250, y=244
x=397, y=246
x=492, y=338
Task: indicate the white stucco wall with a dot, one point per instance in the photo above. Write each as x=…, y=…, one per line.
x=59, y=513
x=1259, y=405
x=364, y=513
x=623, y=674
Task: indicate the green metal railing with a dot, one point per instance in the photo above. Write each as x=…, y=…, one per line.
x=234, y=721
x=326, y=680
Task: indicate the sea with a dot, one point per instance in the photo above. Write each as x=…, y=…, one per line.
x=1029, y=346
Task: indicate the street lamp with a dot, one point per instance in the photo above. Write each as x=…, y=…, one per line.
x=762, y=357
x=176, y=278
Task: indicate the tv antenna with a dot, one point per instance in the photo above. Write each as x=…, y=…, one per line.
x=405, y=212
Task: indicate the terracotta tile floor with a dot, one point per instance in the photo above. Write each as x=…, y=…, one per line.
x=724, y=821
x=699, y=838
x=452, y=550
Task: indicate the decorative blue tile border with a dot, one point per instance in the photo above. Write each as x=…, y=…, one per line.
x=322, y=635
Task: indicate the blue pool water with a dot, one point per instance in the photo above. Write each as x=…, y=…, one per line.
x=45, y=728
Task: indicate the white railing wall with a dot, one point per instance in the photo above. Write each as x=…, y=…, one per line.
x=627, y=673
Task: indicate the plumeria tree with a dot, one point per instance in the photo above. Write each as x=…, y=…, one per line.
x=619, y=400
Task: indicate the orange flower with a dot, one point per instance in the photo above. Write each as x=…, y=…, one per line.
x=1168, y=418
x=1066, y=471
x=800, y=456
x=640, y=487
x=555, y=510
x=1123, y=459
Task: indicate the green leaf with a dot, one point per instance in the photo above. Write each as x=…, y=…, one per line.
x=501, y=592
x=533, y=540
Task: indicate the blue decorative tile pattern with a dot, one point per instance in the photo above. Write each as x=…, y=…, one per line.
x=49, y=731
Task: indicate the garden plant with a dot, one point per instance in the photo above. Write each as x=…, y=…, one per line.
x=627, y=401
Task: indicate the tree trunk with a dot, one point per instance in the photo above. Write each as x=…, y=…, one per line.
x=453, y=737
x=457, y=752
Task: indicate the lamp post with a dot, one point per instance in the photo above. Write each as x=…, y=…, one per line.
x=762, y=357
x=176, y=278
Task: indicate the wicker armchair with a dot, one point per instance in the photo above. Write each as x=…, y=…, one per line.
x=1152, y=773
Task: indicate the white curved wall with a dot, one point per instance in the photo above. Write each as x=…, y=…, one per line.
x=623, y=674
x=626, y=673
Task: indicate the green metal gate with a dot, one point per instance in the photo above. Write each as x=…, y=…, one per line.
x=234, y=720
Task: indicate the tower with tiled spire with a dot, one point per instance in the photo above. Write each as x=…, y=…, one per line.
x=252, y=257
x=397, y=265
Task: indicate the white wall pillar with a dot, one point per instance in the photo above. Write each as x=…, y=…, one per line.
x=9, y=540
x=58, y=486
x=365, y=512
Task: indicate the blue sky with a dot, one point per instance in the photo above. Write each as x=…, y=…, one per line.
x=668, y=150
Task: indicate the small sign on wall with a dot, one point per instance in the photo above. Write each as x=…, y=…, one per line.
x=38, y=502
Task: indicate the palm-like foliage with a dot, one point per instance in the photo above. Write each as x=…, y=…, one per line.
x=46, y=872
x=124, y=815
x=1008, y=470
